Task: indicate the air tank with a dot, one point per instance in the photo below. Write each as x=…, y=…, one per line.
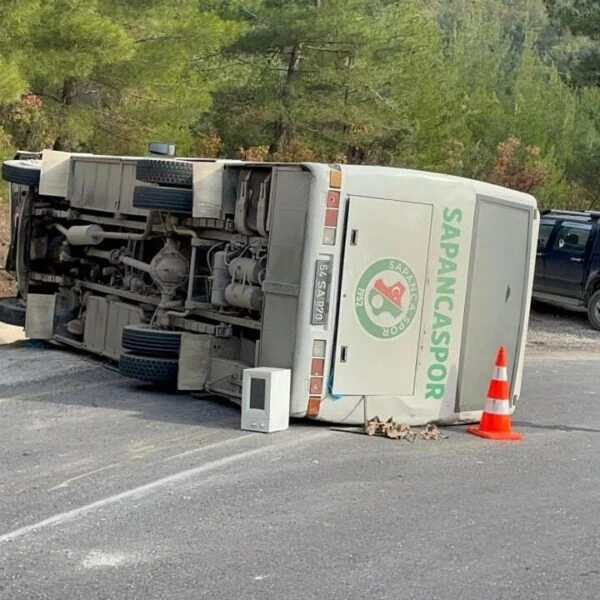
x=220, y=279
x=247, y=270
x=244, y=296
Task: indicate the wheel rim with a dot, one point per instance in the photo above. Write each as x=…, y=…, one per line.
x=596, y=310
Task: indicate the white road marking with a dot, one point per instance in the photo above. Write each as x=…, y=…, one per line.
x=205, y=447
x=202, y=448
x=97, y=559
x=143, y=490
x=67, y=482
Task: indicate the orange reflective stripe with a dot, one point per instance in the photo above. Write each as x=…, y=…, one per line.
x=498, y=390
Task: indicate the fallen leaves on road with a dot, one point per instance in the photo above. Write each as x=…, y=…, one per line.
x=399, y=431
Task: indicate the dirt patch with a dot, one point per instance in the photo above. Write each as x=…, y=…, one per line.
x=558, y=330
x=10, y=334
x=7, y=287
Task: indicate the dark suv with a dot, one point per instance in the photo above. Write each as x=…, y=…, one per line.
x=567, y=270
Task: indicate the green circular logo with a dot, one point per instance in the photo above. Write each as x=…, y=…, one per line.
x=386, y=298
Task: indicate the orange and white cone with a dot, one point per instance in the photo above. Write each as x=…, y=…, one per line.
x=495, y=421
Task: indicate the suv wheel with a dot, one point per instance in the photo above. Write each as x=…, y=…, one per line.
x=593, y=310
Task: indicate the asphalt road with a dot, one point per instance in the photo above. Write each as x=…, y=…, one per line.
x=110, y=491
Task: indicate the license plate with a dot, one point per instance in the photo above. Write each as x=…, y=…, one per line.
x=320, y=303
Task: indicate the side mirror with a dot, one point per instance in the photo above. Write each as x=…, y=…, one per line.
x=161, y=149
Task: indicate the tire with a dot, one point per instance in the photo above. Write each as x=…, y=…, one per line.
x=22, y=172
x=12, y=311
x=175, y=173
x=593, y=310
x=161, y=371
x=165, y=199
x=151, y=342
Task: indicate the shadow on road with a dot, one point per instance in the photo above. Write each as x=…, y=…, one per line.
x=97, y=384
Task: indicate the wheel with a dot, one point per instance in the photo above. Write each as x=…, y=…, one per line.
x=22, y=172
x=153, y=342
x=166, y=199
x=161, y=371
x=593, y=310
x=176, y=173
x=12, y=311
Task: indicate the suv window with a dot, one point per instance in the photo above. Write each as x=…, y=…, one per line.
x=544, y=234
x=572, y=237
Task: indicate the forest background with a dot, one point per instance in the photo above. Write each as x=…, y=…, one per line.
x=506, y=91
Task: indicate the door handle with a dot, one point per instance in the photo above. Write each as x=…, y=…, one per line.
x=344, y=354
x=577, y=260
x=541, y=254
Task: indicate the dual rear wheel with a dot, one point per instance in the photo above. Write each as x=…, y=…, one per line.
x=172, y=186
x=150, y=355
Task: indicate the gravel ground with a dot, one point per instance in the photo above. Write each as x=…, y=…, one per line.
x=554, y=329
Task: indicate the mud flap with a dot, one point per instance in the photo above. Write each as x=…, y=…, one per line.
x=194, y=361
x=40, y=315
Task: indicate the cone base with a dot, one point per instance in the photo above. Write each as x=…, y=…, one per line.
x=510, y=436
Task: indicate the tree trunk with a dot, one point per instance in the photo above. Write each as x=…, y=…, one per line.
x=284, y=129
x=67, y=98
x=355, y=155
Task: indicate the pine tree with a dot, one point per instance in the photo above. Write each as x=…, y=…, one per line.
x=111, y=73
x=351, y=80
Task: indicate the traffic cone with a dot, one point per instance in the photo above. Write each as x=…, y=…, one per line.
x=495, y=421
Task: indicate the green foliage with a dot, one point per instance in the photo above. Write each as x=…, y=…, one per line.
x=579, y=52
x=340, y=78
x=489, y=89
x=112, y=73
